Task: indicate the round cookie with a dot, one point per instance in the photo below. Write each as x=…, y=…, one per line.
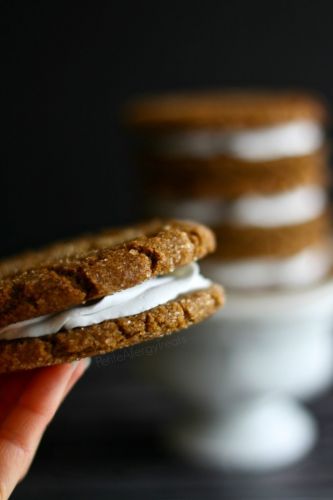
x=230, y=177
x=237, y=242
x=70, y=273
x=80, y=271
x=234, y=109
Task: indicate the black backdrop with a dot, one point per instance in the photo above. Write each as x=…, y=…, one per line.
x=67, y=70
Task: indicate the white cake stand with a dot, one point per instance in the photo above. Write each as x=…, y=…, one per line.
x=245, y=372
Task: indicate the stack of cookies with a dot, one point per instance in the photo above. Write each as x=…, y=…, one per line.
x=253, y=165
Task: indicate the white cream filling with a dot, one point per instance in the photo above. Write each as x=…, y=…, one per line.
x=135, y=300
x=290, y=207
x=295, y=138
x=304, y=268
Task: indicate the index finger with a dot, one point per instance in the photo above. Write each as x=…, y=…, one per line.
x=21, y=431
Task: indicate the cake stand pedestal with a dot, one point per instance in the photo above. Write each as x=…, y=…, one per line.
x=246, y=372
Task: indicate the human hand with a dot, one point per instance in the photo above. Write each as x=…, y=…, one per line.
x=28, y=402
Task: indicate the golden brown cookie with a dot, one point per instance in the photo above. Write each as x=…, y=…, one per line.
x=230, y=177
x=238, y=242
x=70, y=273
x=80, y=271
x=223, y=109
x=111, y=335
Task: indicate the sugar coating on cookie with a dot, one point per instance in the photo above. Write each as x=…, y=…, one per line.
x=67, y=274
x=122, y=287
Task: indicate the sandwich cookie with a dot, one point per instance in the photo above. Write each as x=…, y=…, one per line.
x=100, y=293
x=237, y=137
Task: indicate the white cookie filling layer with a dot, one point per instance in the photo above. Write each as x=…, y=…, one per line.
x=140, y=298
x=285, y=208
x=302, y=269
x=295, y=138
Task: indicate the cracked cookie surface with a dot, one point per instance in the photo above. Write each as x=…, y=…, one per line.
x=66, y=346
x=66, y=274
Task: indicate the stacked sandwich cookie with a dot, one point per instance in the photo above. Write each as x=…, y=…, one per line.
x=251, y=164
x=100, y=293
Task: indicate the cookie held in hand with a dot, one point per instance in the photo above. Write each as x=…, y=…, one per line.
x=103, y=292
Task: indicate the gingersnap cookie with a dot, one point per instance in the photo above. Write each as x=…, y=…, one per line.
x=250, y=126
x=229, y=109
x=231, y=177
x=99, y=293
x=237, y=242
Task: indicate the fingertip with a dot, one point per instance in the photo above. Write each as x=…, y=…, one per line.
x=81, y=367
x=87, y=362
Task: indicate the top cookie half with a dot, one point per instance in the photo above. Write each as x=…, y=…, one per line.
x=224, y=109
x=67, y=274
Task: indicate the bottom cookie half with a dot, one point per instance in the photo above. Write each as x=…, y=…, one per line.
x=67, y=346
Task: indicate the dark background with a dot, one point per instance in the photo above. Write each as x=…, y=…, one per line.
x=66, y=72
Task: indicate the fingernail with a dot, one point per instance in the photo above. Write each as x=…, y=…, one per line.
x=88, y=362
